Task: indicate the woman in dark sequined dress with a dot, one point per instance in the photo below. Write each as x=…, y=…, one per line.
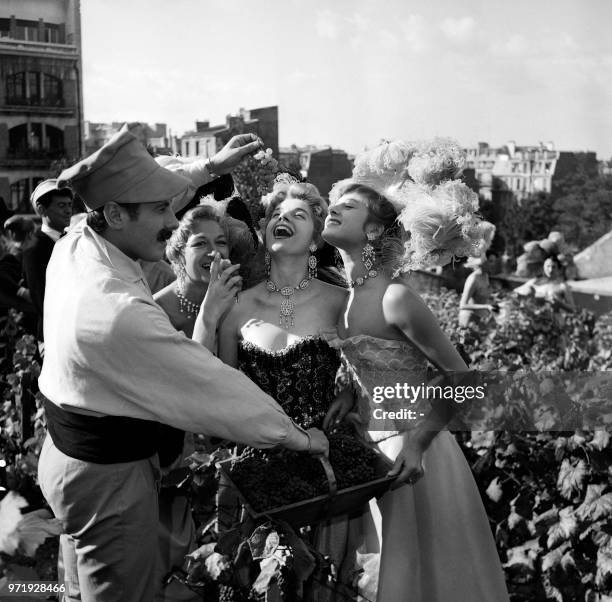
x=273, y=332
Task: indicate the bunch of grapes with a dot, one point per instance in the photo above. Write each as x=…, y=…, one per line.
x=273, y=478
x=229, y=593
x=353, y=462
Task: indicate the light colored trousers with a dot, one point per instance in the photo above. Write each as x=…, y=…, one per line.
x=108, y=552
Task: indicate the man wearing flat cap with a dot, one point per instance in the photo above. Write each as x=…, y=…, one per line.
x=54, y=205
x=115, y=368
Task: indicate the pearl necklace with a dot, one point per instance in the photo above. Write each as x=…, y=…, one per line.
x=360, y=281
x=286, y=317
x=186, y=306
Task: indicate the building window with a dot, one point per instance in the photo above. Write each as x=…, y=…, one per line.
x=197, y=147
x=186, y=148
x=16, y=88
x=51, y=34
x=35, y=141
x=34, y=88
x=20, y=192
x=52, y=90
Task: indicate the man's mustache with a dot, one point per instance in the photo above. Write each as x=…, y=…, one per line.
x=164, y=235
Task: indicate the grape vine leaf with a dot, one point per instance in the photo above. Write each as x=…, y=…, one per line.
x=520, y=565
x=595, y=505
x=542, y=521
x=571, y=477
x=217, y=565
x=494, y=490
x=600, y=440
x=514, y=520
x=563, y=529
x=34, y=528
x=270, y=569
x=257, y=541
x=553, y=558
x=604, y=566
x=10, y=519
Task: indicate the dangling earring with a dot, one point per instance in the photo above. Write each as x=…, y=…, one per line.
x=267, y=263
x=312, y=262
x=368, y=256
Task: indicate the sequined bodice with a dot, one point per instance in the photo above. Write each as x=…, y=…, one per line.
x=300, y=377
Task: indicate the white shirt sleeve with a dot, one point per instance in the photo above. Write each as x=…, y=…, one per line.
x=193, y=169
x=159, y=374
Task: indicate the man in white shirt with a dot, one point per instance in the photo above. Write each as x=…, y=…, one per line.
x=115, y=368
x=54, y=205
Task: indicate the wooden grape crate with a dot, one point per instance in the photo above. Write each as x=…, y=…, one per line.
x=323, y=507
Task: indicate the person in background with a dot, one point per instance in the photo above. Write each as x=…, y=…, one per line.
x=54, y=205
x=199, y=251
x=551, y=287
x=529, y=264
x=203, y=233
x=13, y=292
x=19, y=230
x=475, y=304
x=564, y=255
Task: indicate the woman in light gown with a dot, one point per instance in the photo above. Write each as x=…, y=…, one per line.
x=436, y=542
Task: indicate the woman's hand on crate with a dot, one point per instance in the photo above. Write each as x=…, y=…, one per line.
x=338, y=409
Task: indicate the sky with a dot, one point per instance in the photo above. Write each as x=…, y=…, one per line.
x=348, y=73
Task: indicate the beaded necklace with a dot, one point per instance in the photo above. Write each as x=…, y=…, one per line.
x=186, y=306
x=286, y=316
x=360, y=281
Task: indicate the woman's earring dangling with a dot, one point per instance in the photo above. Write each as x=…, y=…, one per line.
x=368, y=255
x=312, y=262
x=267, y=263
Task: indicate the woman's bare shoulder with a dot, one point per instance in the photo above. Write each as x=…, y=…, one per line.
x=400, y=291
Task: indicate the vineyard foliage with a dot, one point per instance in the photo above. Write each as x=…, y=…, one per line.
x=548, y=494
x=547, y=490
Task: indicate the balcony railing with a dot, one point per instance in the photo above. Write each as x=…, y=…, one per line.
x=20, y=101
x=29, y=154
x=10, y=45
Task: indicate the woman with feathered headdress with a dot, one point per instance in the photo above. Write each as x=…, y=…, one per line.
x=403, y=209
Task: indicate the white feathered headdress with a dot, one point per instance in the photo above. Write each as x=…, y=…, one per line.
x=436, y=210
